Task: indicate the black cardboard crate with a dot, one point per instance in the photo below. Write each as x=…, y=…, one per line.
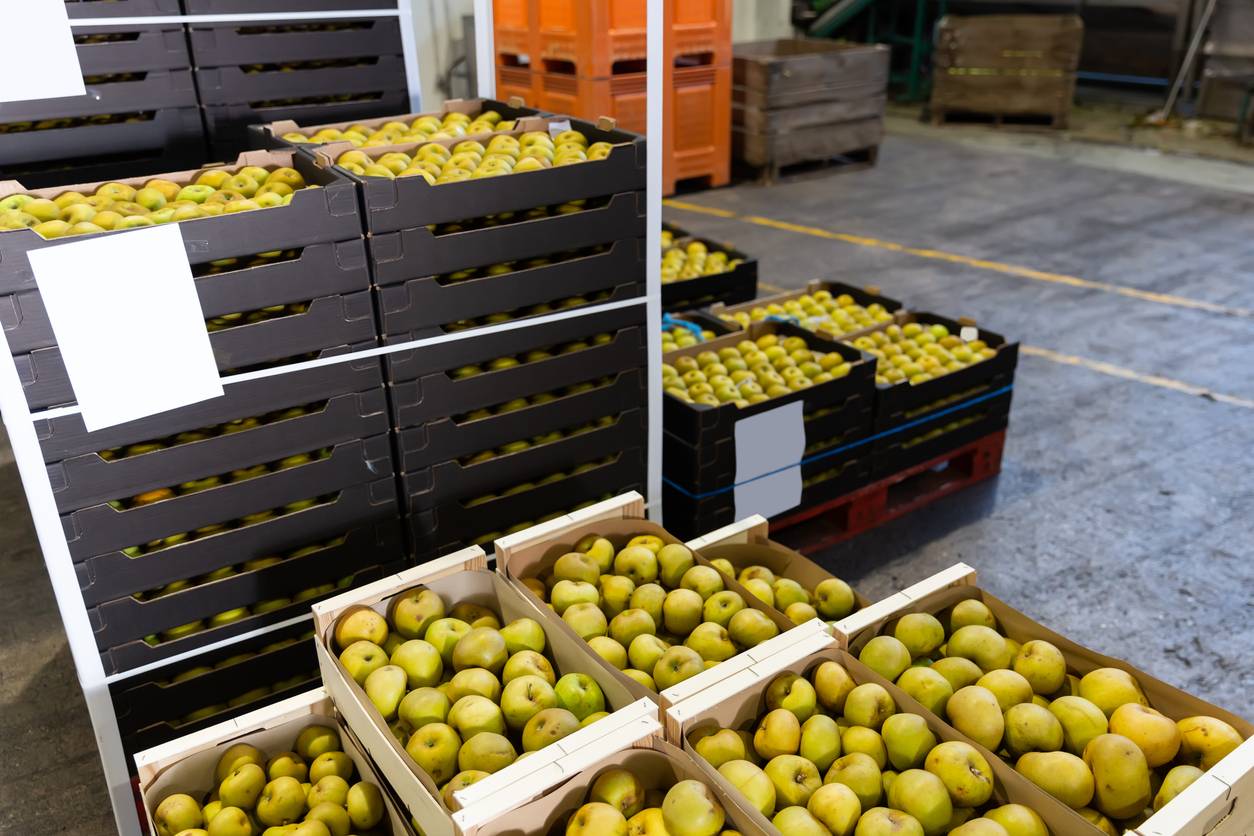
x=230, y=126
x=137, y=653
x=107, y=576
x=898, y=404
x=700, y=425
x=101, y=528
x=448, y=438
x=436, y=254
x=689, y=516
x=159, y=47
x=121, y=8
x=976, y=417
x=314, y=216
x=701, y=319
x=156, y=90
x=330, y=321
x=150, y=706
x=271, y=135
x=231, y=44
x=88, y=479
x=126, y=618
x=437, y=530
x=65, y=436
x=864, y=296
x=731, y=287
x=55, y=154
x=424, y=301
x=233, y=7
x=436, y=395
x=231, y=85
x=318, y=270
x=407, y=202
x=451, y=481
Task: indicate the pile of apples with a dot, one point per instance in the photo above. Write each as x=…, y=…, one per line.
x=1093, y=742
x=421, y=129
x=692, y=260
x=819, y=311
x=831, y=757
x=533, y=356
x=519, y=445
x=751, y=372
x=618, y=804
x=678, y=337
x=471, y=159
x=831, y=600
x=120, y=206
x=917, y=352
x=649, y=610
x=192, y=436
x=507, y=267
x=310, y=791
x=531, y=310
x=197, y=485
x=533, y=400
x=464, y=695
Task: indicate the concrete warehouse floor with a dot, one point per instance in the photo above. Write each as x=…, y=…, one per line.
x=1121, y=517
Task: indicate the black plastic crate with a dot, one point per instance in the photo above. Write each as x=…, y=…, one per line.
x=271, y=135
x=316, y=271
x=138, y=653
x=126, y=618
x=863, y=296
x=737, y=285
x=437, y=395
x=59, y=151
x=972, y=418
x=451, y=481
x=421, y=249
x=230, y=126
x=409, y=202
x=107, y=576
x=231, y=85
x=695, y=321
x=482, y=348
x=233, y=7
x=181, y=151
x=89, y=479
x=447, y=438
x=153, y=90
x=121, y=49
x=121, y=8
x=65, y=437
x=431, y=301
x=230, y=44
x=702, y=426
x=437, y=531
x=314, y=216
x=102, y=528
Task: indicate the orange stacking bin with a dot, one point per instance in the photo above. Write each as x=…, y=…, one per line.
x=697, y=135
x=515, y=32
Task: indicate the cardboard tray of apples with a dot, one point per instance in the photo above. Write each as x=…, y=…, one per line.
x=815, y=775
x=549, y=706
x=410, y=202
x=862, y=296
x=260, y=760
x=1142, y=775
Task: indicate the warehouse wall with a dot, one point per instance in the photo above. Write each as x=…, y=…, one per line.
x=438, y=24
x=755, y=20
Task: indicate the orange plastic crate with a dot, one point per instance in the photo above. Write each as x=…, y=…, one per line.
x=514, y=25
x=517, y=81
x=697, y=136
x=621, y=97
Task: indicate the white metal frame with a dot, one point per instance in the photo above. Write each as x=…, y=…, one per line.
x=18, y=418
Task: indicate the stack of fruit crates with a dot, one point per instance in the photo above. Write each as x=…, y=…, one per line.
x=698, y=272
x=587, y=57
x=139, y=112
x=227, y=516
x=498, y=431
x=306, y=70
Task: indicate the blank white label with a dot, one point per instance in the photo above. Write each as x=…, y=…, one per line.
x=969, y=333
x=770, y=441
x=129, y=324
x=39, y=55
x=556, y=128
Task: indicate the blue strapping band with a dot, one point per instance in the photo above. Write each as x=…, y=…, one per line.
x=668, y=322
x=940, y=413
x=781, y=318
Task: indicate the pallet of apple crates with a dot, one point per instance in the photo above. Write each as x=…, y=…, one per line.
x=1173, y=736
x=252, y=769
x=703, y=272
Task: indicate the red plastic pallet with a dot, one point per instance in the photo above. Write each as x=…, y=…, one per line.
x=895, y=496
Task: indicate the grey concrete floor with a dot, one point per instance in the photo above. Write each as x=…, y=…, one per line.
x=1122, y=515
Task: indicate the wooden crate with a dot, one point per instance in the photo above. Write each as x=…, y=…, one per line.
x=799, y=100
x=1006, y=66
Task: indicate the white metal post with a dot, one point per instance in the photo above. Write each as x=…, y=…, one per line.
x=409, y=47
x=485, y=50
x=656, y=89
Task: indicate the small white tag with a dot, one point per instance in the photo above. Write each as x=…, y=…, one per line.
x=969, y=333
x=765, y=443
x=556, y=128
x=40, y=55
x=128, y=323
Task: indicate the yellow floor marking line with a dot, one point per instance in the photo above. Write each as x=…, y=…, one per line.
x=1128, y=374
x=968, y=261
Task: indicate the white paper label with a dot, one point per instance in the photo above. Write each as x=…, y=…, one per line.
x=969, y=333
x=40, y=57
x=765, y=443
x=129, y=324
x=556, y=128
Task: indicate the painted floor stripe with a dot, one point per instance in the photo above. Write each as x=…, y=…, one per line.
x=1112, y=370
x=968, y=261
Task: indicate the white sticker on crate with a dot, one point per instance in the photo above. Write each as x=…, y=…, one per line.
x=969, y=333
x=769, y=449
x=128, y=324
x=40, y=55
x=558, y=128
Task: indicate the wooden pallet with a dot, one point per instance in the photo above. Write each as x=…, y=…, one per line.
x=895, y=496
x=844, y=163
x=1024, y=121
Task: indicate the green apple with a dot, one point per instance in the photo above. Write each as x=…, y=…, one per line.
x=481, y=647
x=750, y=627
x=793, y=692
x=420, y=661
x=474, y=714
x=674, y=559
x=281, y=802
x=599, y=549
x=703, y=580
x=649, y=597
x=473, y=681
x=620, y=789
x=386, y=688
x=640, y=678
x=691, y=809
x=868, y=705
x=328, y=788
x=547, y=727
x=364, y=805
x=528, y=663
x=721, y=606
x=834, y=599
x=907, y=739
x=778, y=733
x=331, y=763
x=415, y=610
x=645, y=651
x=236, y=755
x=788, y=592
x=314, y=740
x=579, y=694
x=523, y=698
x=682, y=611
x=761, y=590
x=287, y=763
x=677, y=664
x=362, y=658
x=616, y=593
x=359, y=623
x=422, y=706
x=576, y=566
x=486, y=752
x=638, y=563
x=720, y=747
x=434, y=748
x=567, y=593
x=177, y=813
x=712, y=642
x=859, y=772
x=443, y=635
x=752, y=783
x=795, y=779
x=629, y=624
x=586, y=620
x=609, y=650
